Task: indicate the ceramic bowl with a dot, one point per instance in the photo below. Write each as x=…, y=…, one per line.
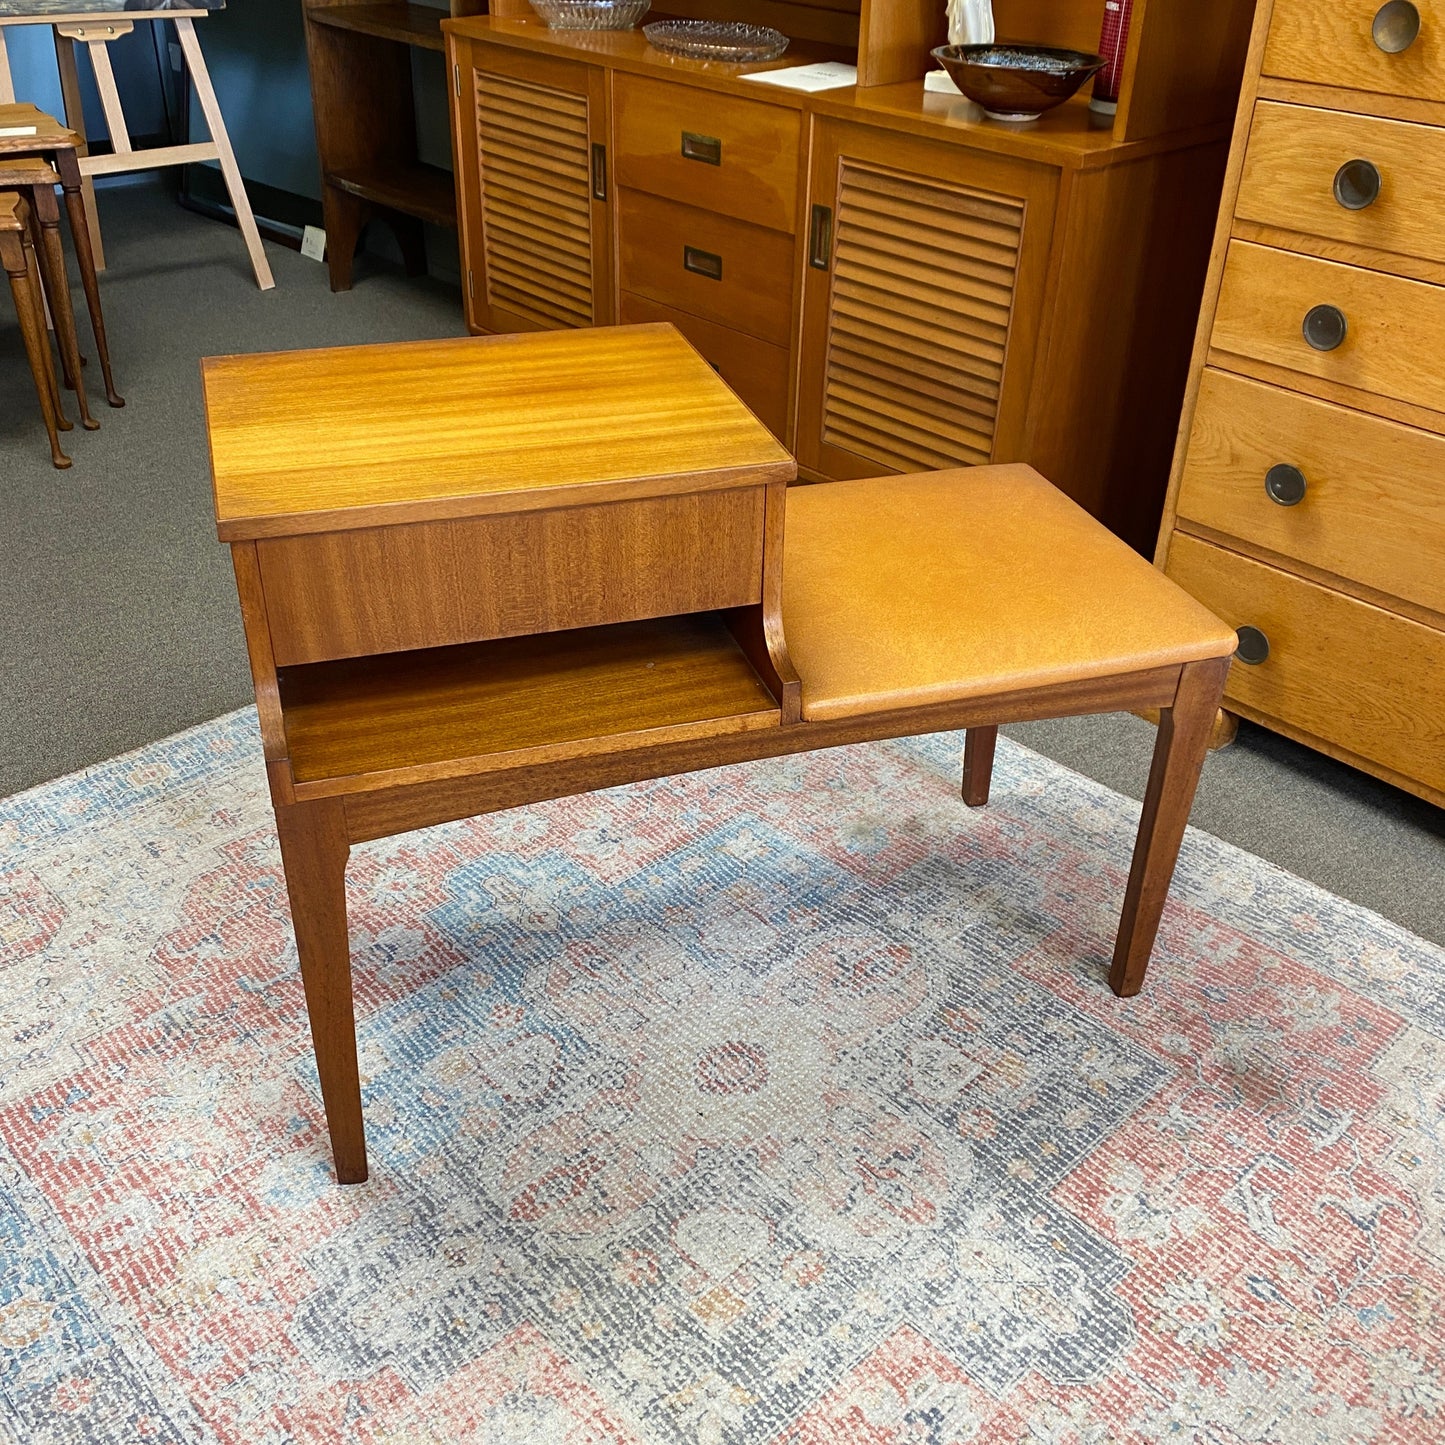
x=1017, y=82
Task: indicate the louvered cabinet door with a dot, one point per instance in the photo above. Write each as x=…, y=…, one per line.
x=925, y=277
x=534, y=196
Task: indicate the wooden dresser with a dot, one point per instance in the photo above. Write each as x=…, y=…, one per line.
x=890, y=280
x=1307, y=505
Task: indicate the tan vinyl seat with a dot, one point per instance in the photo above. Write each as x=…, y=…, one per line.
x=904, y=591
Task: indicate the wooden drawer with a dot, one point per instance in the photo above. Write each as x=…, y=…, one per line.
x=708, y=265
x=434, y=584
x=1373, y=509
x=1394, y=344
x=1331, y=42
x=756, y=370
x=1339, y=671
x=1297, y=163
x=739, y=157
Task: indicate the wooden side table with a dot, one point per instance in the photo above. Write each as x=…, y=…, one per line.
x=480, y=573
x=18, y=260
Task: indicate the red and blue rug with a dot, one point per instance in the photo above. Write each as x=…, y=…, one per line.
x=778, y=1105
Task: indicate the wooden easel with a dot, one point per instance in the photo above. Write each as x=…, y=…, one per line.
x=96, y=31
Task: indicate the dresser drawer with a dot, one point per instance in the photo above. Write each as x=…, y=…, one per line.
x=1316, y=170
x=1393, y=332
x=1373, y=503
x=739, y=157
x=709, y=265
x=1333, y=42
x=756, y=370
x=1352, y=675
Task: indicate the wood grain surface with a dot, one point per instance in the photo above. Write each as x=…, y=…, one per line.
x=1330, y=41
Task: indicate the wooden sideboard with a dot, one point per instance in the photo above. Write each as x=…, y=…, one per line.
x=1307, y=504
x=890, y=280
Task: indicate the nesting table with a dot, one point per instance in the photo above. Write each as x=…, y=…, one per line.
x=481, y=573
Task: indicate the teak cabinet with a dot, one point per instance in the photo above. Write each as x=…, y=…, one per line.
x=1307, y=505
x=890, y=280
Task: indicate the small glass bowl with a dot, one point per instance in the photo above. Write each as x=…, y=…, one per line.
x=591, y=14
x=728, y=40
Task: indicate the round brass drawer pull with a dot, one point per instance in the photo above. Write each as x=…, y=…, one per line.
x=1357, y=185
x=1253, y=646
x=1325, y=327
x=1285, y=484
x=1396, y=27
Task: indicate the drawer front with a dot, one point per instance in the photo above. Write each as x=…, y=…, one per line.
x=708, y=265
x=1366, y=680
x=1372, y=505
x=1334, y=42
x=739, y=157
x=434, y=584
x=1392, y=341
x=1377, y=183
x=756, y=370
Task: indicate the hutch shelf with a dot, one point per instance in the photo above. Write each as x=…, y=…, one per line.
x=890, y=280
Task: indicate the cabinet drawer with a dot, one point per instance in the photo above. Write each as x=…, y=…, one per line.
x=1373, y=505
x=1333, y=42
x=739, y=157
x=1315, y=171
x=709, y=265
x=756, y=370
x=1355, y=676
x=1393, y=333
x=435, y=584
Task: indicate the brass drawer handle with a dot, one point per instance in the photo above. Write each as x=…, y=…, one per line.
x=820, y=238
x=1357, y=185
x=702, y=263
x=1325, y=328
x=704, y=148
x=1396, y=27
x=1285, y=484
x=1253, y=646
x=599, y=172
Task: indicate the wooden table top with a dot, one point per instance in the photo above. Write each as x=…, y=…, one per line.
x=364, y=436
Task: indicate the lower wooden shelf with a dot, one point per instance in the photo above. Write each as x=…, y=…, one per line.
x=420, y=190
x=406, y=717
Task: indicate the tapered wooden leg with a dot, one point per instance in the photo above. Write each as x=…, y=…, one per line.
x=75, y=119
x=345, y=217
x=57, y=288
x=978, y=746
x=1179, y=752
x=26, y=293
x=68, y=165
x=313, y=852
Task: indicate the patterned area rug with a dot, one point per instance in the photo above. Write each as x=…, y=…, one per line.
x=776, y=1104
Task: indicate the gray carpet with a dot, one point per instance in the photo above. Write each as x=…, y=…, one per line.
x=120, y=622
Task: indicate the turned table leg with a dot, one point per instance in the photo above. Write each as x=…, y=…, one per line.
x=1179, y=752
x=15, y=255
x=978, y=746
x=68, y=165
x=57, y=288
x=314, y=848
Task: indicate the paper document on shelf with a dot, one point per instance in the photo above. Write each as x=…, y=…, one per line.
x=825, y=75
x=940, y=82
x=18, y=130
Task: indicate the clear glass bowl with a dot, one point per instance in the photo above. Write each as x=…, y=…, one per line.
x=591, y=14
x=716, y=40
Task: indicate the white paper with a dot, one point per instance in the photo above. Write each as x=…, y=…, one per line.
x=825, y=75
x=941, y=82
x=18, y=130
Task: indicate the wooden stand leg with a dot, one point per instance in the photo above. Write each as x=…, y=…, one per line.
x=25, y=289
x=75, y=119
x=57, y=288
x=211, y=109
x=314, y=847
x=345, y=215
x=1179, y=752
x=68, y=166
x=978, y=747
x=7, y=84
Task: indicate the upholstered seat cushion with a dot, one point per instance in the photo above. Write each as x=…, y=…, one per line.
x=909, y=590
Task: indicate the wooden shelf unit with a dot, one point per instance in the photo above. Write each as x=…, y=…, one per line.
x=857, y=262
x=359, y=57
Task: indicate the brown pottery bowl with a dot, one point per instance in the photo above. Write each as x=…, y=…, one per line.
x=1017, y=82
